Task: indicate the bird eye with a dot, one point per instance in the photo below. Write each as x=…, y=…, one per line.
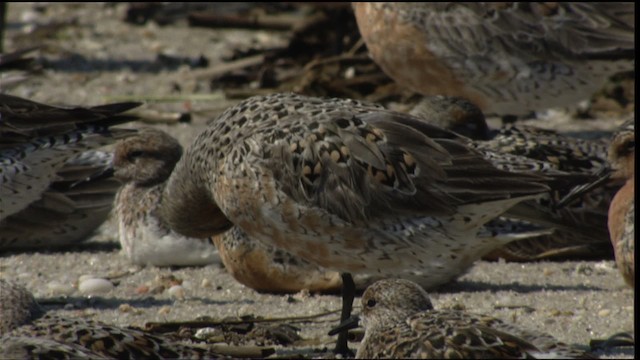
x=134, y=154
x=371, y=303
x=626, y=148
x=630, y=145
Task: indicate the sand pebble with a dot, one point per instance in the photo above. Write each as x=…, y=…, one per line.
x=57, y=288
x=206, y=283
x=604, y=313
x=142, y=289
x=94, y=286
x=177, y=291
x=87, y=277
x=208, y=333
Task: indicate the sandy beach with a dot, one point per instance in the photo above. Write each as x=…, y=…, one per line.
x=102, y=59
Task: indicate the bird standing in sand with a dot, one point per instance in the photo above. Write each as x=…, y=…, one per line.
x=343, y=184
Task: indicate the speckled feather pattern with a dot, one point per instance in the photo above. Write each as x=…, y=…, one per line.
x=143, y=163
x=579, y=227
x=400, y=322
x=27, y=334
x=50, y=173
x=622, y=209
x=343, y=184
x=509, y=58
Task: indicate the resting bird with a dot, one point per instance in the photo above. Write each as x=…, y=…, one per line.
x=508, y=58
x=343, y=184
x=26, y=332
x=401, y=323
x=55, y=188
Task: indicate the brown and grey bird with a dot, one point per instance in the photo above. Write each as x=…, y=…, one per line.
x=343, y=184
x=622, y=154
x=580, y=229
x=27, y=333
x=143, y=163
x=55, y=188
x=509, y=58
x=401, y=323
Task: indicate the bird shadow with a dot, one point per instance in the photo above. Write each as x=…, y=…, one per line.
x=480, y=286
x=91, y=247
x=79, y=63
x=104, y=303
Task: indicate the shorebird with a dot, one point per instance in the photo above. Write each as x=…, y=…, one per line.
x=269, y=269
x=622, y=154
x=54, y=188
x=26, y=332
x=401, y=323
x=580, y=229
x=76, y=202
x=143, y=163
x=343, y=184
x=508, y=58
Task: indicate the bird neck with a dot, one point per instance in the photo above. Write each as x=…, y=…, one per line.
x=187, y=204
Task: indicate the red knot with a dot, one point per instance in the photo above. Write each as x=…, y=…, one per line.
x=401, y=323
x=54, y=188
x=26, y=333
x=343, y=184
x=580, y=229
x=509, y=58
x=581, y=226
x=143, y=163
x=622, y=155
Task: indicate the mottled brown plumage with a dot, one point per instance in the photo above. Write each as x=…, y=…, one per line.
x=54, y=189
x=401, y=323
x=25, y=333
x=622, y=210
x=580, y=229
x=143, y=163
x=509, y=58
x=346, y=185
